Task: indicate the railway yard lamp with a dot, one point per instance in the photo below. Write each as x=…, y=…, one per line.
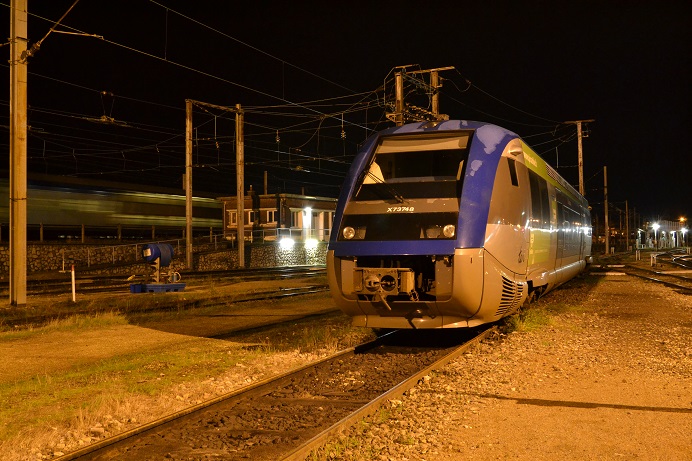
x=683, y=229
x=639, y=238
x=656, y=226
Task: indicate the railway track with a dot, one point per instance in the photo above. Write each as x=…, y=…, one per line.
x=112, y=284
x=677, y=276
x=288, y=416
x=282, y=293
x=18, y=318
x=680, y=282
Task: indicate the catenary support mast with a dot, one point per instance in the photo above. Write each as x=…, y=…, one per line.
x=188, y=183
x=581, y=157
x=240, y=179
x=18, y=151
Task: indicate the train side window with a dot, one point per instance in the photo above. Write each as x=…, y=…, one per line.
x=545, y=203
x=513, y=171
x=540, y=202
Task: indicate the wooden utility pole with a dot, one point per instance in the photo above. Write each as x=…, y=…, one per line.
x=627, y=226
x=18, y=149
x=399, y=103
x=240, y=179
x=402, y=112
x=435, y=87
x=188, y=183
x=435, y=84
x=240, y=169
x=605, y=201
x=581, y=157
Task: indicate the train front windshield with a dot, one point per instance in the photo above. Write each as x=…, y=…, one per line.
x=416, y=166
x=418, y=179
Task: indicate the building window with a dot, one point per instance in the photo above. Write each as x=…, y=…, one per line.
x=271, y=216
x=232, y=219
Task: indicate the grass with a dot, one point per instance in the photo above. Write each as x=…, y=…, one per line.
x=331, y=334
x=527, y=319
x=72, y=323
x=47, y=399
x=39, y=410
x=544, y=312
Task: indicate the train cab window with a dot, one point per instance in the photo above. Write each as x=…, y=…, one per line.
x=416, y=166
x=509, y=204
x=513, y=171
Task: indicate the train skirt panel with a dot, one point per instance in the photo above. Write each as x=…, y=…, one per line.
x=469, y=288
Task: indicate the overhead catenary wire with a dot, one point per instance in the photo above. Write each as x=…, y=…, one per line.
x=318, y=116
x=195, y=70
x=506, y=103
x=282, y=61
x=37, y=45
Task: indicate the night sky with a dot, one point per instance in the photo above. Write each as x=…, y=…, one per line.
x=315, y=77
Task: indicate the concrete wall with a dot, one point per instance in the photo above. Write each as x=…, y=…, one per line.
x=127, y=259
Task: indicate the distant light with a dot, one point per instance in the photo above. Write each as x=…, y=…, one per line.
x=307, y=221
x=286, y=243
x=656, y=226
x=310, y=244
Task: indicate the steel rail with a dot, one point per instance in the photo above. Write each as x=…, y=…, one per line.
x=245, y=391
x=317, y=441
x=217, y=301
x=123, y=440
x=631, y=270
x=255, y=274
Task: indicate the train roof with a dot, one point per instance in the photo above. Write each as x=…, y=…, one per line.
x=492, y=135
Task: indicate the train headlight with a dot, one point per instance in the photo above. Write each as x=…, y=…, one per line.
x=348, y=232
x=449, y=230
x=432, y=232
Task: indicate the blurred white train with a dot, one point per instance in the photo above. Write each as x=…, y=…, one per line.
x=65, y=204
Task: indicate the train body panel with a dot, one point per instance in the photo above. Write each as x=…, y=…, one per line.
x=451, y=224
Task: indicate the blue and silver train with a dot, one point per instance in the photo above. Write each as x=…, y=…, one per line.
x=451, y=224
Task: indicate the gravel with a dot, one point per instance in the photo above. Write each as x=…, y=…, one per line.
x=609, y=376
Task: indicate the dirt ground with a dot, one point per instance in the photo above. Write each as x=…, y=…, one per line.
x=608, y=377
x=34, y=359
